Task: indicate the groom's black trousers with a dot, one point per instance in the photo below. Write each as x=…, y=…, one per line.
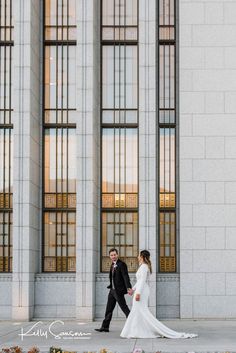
x=113, y=297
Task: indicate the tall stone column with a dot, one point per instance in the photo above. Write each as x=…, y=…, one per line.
x=207, y=159
x=26, y=158
x=147, y=136
x=88, y=140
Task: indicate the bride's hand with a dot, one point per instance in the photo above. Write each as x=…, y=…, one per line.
x=137, y=297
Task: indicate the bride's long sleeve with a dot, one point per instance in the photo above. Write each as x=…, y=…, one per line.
x=138, y=287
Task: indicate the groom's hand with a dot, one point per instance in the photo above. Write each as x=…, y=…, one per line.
x=137, y=297
x=130, y=291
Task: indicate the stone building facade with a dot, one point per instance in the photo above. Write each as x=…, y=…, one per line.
x=117, y=128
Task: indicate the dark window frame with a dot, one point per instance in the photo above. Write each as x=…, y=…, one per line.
x=6, y=209
x=120, y=125
x=168, y=264
x=61, y=126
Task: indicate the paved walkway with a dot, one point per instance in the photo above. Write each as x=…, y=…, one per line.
x=214, y=336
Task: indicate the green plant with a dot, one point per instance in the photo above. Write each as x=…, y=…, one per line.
x=55, y=350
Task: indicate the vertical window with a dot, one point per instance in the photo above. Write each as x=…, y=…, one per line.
x=59, y=182
x=167, y=134
x=119, y=131
x=6, y=143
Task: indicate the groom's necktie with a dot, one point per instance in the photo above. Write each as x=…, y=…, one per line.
x=113, y=269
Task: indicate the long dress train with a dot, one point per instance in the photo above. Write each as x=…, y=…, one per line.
x=140, y=322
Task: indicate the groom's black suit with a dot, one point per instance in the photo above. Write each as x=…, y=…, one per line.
x=119, y=283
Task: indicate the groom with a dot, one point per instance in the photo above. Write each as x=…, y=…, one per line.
x=119, y=286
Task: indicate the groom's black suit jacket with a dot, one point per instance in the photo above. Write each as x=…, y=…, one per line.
x=120, y=278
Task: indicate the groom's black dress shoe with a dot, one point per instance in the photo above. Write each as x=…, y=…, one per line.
x=102, y=329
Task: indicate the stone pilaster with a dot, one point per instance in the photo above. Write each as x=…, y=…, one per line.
x=26, y=158
x=88, y=140
x=147, y=136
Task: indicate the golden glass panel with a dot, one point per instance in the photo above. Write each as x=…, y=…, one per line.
x=131, y=262
x=61, y=264
x=167, y=200
x=71, y=200
x=131, y=200
x=5, y=264
x=50, y=200
x=108, y=200
x=167, y=264
x=60, y=200
x=49, y=264
x=120, y=201
x=6, y=200
x=71, y=264
x=167, y=242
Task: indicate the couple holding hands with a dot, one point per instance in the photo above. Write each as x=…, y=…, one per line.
x=140, y=322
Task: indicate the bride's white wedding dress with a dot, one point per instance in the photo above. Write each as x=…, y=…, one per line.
x=140, y=322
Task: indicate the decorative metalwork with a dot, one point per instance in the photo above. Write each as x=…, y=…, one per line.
x=167, y=88
x=6, y=136
x=59, y=188
x=119, y=125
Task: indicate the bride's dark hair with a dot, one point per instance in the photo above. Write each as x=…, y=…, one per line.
x=145, y=254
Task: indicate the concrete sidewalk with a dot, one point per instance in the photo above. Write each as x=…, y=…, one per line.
x=214, y=336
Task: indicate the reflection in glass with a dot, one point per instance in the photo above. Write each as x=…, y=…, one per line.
x=59, y=199
x=59, y=241
x=119, y=160
x=60, y=77
x=124, y=13
x=167, y=19
x=60, y=22
x=119, y=168
x=166, y=13
x=120, y=230
x=5, y=20
x=119, y=77
x=167, y=76
x=6, y=162
x=119, y=20
x=5, y=80
x=60, y=161
x=167, y=167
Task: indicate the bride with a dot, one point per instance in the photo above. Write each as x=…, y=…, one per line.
x=140, y=322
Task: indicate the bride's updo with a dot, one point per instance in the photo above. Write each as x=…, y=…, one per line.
x=145, y=254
